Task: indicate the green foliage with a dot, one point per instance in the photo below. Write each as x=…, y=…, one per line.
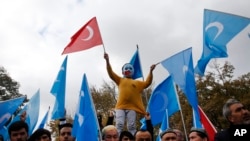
x=9, y=88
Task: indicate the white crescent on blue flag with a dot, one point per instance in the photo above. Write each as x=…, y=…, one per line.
x=218, y=29
x=86, y=126
x=163, y=97
x=180, y=67
x=136, y=63
x=8, y=107
x=58, y=90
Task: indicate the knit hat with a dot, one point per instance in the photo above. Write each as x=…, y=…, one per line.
x=200, y=130
x=169, y=130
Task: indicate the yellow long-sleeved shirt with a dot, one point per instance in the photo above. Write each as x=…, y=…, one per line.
x=129, y=91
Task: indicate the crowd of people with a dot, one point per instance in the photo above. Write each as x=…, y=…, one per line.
x=234, y=111
x=129, y=103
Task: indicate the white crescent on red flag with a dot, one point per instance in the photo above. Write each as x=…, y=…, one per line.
x=87, y=37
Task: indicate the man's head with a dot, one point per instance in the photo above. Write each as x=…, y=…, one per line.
x=110, y=133
x=18, y=131
x=180, y=135
x=168, y=135
x=65, y=131
x=198, y=134
x=126, y=136
x=40, y=135
x=128, y=70
x=143, y=135
x=235, y=112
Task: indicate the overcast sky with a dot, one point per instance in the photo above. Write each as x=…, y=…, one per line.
x=35, y=32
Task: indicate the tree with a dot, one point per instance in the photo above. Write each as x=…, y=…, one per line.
x=9, y=88
x=218, y=86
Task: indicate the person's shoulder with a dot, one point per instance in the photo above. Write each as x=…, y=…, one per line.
x=222, y=135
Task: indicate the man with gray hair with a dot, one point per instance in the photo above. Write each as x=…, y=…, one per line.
x=238, y=117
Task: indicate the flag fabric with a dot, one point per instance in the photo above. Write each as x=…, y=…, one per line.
x=44, y=120
x=180, y=67
x=218, y=29
x=143, y=124
x=164, y=124
x=58, y=90
x=4, y=133
x=207, y=124
x=32, y=112
x=163, y=97
x=86, y=126
x=87, y=37
x=8, y=107
x=136, y=63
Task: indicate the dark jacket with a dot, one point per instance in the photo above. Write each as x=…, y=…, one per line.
x=234, y=133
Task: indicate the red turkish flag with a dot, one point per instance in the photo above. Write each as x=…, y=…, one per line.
x=87, y=37
x=209, y=127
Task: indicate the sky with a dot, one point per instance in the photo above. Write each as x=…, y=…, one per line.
x=35, y=32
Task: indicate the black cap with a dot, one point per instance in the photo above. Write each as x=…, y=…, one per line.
x=200, y=130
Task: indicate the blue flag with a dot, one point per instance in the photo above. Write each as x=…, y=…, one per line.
x=44, y=120
x=143, y=124
x=163, y=97
x=4, y=133
x=32, y=112
x=58, y=90
x=136, y=63
x=218, y=29
x=180, y=67
x=86, y=126
x=8, y=107
x=164, y=124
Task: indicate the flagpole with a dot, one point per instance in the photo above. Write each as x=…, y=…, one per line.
x=103, y=48
x=182, y=119
x=141, y=70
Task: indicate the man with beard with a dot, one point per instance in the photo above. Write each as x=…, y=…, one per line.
x=239, y=118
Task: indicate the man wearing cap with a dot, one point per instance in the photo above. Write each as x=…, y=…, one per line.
x=198, y=134
x=40, y=135
x=168, y=135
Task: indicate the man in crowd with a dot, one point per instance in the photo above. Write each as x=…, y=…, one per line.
x=143, y=135
x=40, y=135
x=65, y=132
x=198, y=134
x=110, y=133
x=168, y=135
x=238, y=117
x=18, y=131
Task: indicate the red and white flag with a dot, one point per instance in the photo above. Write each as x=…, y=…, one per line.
x=87, y=37
x=207, y=124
